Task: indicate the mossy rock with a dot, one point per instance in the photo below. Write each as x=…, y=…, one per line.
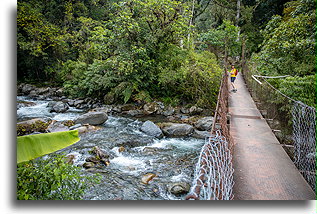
x=31, y=126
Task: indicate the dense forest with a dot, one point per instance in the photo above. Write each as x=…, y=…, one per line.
x=167, y=50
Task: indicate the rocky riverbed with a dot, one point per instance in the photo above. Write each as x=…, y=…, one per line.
x=144, y=152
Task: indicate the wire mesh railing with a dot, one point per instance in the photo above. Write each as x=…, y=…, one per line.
x=304, y=136
x=292, y=122
x=213, y=178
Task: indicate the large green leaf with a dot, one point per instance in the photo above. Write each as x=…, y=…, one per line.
x=33, y=146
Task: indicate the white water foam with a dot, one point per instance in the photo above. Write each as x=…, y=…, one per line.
x=180, y=177
x=39, y=110
x=182, y=144
x=127, y=163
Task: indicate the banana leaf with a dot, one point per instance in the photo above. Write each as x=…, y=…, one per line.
x=33, y=146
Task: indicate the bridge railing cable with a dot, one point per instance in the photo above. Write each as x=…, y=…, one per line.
x=213, y=178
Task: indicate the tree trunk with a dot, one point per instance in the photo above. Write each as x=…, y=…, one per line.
x=238, y=17
x=190, y=23
x=243, y=52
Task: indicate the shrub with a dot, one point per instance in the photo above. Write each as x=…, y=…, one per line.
x=51, y=179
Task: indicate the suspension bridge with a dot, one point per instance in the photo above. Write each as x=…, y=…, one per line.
x=243, y=159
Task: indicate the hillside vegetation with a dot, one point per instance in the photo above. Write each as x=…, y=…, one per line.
x=172, y=51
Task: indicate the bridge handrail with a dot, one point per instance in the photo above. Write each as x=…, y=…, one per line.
x=214, y=172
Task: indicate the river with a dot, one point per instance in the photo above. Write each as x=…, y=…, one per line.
x=171, y=160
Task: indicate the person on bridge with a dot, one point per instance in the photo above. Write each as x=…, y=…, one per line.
x=233, y=76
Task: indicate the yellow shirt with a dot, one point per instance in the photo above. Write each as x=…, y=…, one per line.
x=233, y=72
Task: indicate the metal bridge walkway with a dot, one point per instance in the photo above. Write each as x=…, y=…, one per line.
x=263, y=170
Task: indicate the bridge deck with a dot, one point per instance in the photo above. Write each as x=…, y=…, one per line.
x=263, y=170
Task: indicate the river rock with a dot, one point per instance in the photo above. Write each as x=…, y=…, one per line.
x=105, y=161
x=168, y=111
x=178, y=130
x=117, y=109
x=51, y=104
x=106, y=109
x=21, y=104
x=134, y=113
x=92, y=118
x=71, y=102
x=147, y=178
x=88, y=165
x=75, y=126
x=81, y=129
x=151, y=108
x=152, y=150
x=77, y=103
x=151, y=129
x=121, y=149
x=33, y=121
x=41, y=91
x=57, y=126
x=59, y=92
x=27, y=88
x=33, y=93
x=128, y=107
x=195, y=110
x=133, y=141
x=184, y=110
x=99, y=153
x=58, y=107
x=92, y=159
x=179, y=188
x=200, y=134
x=204, y=123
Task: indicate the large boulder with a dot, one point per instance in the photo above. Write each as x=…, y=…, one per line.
x=178, y=130
x=31, y=126
x=200, y=134
x=204, y=124
x=92, y=118
x=58, y=107
x=151, y=129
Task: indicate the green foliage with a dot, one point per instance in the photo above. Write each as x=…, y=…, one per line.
x=134, y=56
x=300, y=88
x=223, y=39
x=289, y=49
x=40, y=43
x=289, y=42
x=52, y=179
x=202, y=77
